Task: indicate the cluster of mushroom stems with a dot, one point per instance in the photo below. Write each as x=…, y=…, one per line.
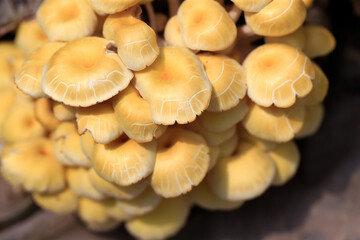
x=124, y=121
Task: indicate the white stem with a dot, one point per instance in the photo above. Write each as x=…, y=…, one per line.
x=151, y=14
x=235, y=13
x=173, y=7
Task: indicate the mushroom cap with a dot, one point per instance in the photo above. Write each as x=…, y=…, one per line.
x=319, y=41
x=277, y=73
x=320, y=88
x=63, y=202
x=10, y=55
x=228, y=79
x=142, y=204
x=67, y=146
x=286, y=157
x=244, y=135
x=32, y=164
x=135, y=40
x=44, y=114
x=251, y=5
x=222, y=121
x=228, y=147
x=245, y=175
x=20, y=123
x=63, y=112
x=313, y=118
x=175, y=85
x=7, y=99
x=79, y=182
x=308, y=3
x=87, y=144
x=84, y=72
x=93, y=211
x=138, y=125
x=29, y=36
x=214, y=152
x=205, y=198
x=274, y=124
x=182, y=161
x=100, y=121
x=278, y=18
x=28, y=79
x=116, y=191
x=115, y=212
x=172, y=33
x=205, y=25
x=70, y=20
x=163, y=222
x=295, y=39
x=103, y=7
x=124, y=161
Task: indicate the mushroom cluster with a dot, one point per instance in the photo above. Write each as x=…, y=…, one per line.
x=122, y=116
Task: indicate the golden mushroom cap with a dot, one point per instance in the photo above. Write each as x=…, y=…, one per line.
x=319, y=41
x=100, y=121
x=103, y=7
x=113, y=210
x=63, y=202
x=116, y=191
x=124, y=161
x=278, y=18
x=214, y=152
x=245, y=175
x=138, y=125
x=274, y=124
x=67, y=146
x=182, y=161
x=63, y=112
x=93, y=211
x=205, y=25
x=295, y=39
x=66, y=20
x=28, y=79
x=251, y=5
x=135, y=40
x=228, y=79
x=287, y=158
x=172, y=33
x=163, y=222
x=31, y=163
x=175, y=85
x=79, y=182
x=20, y=123
x=320, y=88
x=45, y=115
x=29, y=36
x=308, y=3
x=244, y=135
x=313, y=118
x=277, y=73
x=87, y=144
x=205, y=198
x=84, y=72
x=228, y=147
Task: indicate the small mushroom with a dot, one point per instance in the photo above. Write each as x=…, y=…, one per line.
x=87, y=144
x=172, y=33
x=313, y=118
x=244, y=135
x=115, y=212
x=295, y=39
x=319, y=41
x=103, y=7
x=214, y=152
x=228, y=147
x=251, y=5
x=320, y=88
x=63, y=112
x=45, y=115
x=9, y=52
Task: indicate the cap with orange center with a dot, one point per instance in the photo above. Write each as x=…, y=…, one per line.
x=138, y=125
x=84, y=72
x=175, y=85
x=135, y=40
x=205, y=25
x=182, y=161
x=28, y=79
x=66, y=20
x=251, y=5
x=277, y=73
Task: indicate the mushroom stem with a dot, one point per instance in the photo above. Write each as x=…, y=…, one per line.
x=173, y=7
x=235, y=13
x=245, y=32
x=151, y=14
x=161, y=41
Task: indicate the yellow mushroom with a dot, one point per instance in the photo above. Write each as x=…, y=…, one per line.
x=172, y=33
x=214, y=152
x=228, y=147
x=159, y=84
x=114, y=211
x=104, y=7
x=308, y=3
x=63, y=112
x=45, y=115
x=320, y=88
x=7, y=99
x=84, y=72
x=205, y=25
x=66, y=20
x=277, y=73
x=251, y=5
x=100, y=121
x=9, y=52
x=124, y=161
x=87, y=144
x=295, y=39
x=244, y=135
x=319, y=41
x=182, y=161
x=313, y=118
x=135, y=40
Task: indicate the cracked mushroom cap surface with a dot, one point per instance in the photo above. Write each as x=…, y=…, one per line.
x=182, y=161
x=205, y=25
x=138, y=125
x=251, y=5
x=100, y=121
x=135, y=40
x=313, y=118
x=124, y=161
x=28, y=78
x=66, y=20
x=32, y=164
x=228, y=79
x=175, y=85
x=278, y=18
x=245, y=175
x=84, y=72
x=319, y=41
x=277, y=74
